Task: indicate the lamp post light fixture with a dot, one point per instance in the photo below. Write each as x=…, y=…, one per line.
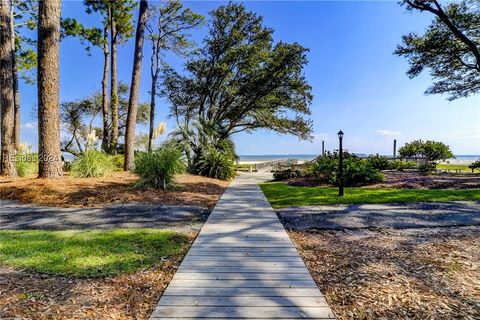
x=340, y=164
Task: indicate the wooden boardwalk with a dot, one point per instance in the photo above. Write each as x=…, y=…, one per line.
x=242, y=266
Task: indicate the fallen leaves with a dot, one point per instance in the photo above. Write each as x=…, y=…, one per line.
x=396, y=274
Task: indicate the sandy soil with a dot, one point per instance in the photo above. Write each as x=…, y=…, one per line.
x=401, y=274
x=98, y=192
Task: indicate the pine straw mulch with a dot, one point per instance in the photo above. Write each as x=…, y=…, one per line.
x=414, y=180
x=407, y=180
x=396, y=274
x=98, y=192
x=27, y=295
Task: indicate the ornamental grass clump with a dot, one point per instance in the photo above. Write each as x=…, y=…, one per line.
x=158, y=169
x=92, y=164
x=26, y=161
x=215, y=164
x=26, y=164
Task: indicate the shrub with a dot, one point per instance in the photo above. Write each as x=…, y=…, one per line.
x=215, y=164
x=475, y=165
x=92, y=164
x=359, y=171
x=427, y=168
x=27, y=164
x=326, y=169
x=117, y=161
x=356, y=171
x=158, y=169
x=281, y=175
x=403, y=165
x=379, y=162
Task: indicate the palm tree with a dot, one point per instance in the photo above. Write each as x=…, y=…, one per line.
x=50, y=162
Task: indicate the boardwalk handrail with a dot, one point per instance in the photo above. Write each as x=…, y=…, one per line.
x=274, y=163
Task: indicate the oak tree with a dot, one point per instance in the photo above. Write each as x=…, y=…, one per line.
x=240, y=81
x=449, y=48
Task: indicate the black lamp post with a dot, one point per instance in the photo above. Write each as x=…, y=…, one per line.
x=340, y=164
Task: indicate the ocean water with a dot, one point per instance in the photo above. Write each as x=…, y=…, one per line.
x=308, y=157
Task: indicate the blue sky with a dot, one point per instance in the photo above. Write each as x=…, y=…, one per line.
x=359, y=86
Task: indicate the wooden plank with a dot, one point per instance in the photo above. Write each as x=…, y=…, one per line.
x=277, y=237
x=251, y=244
x=163, y=312
x=237, y=240
x=240, y=276
x=181, y=283
x=250, y=253
x=243, y=292
x=203, y=301
x=242, y=249
x=208, y=318
x=193, y=258
x=246, y=263
x=189, y=268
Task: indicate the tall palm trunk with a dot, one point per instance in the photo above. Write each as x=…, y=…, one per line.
x=135, y=87
x=7, y=155
x=113, y=85
x=16, y=93
x=50, y=159
x=105, y=137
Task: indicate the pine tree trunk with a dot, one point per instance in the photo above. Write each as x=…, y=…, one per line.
x=16, y=93
x=7, y=162
x=135, y=87
x=113, y=86
x=153, y=92
x=105, y=137
x=16, y=99
x=154, y=72
x=50, y=159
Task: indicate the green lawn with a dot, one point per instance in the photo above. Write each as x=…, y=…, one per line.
x=444, y=166
x=281, y=195
x=95, y=253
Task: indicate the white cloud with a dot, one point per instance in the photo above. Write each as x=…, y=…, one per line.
x=29, y=125
x=387, y=133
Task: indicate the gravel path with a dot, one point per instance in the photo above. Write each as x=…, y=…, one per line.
x=181, y=218
x=417, y=215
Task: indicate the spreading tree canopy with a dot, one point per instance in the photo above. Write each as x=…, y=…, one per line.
x=432, y=151
x=450, y=47
x=241, y=80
